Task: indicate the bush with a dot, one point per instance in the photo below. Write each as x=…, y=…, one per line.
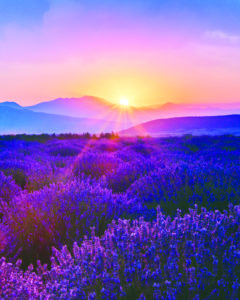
x=195, y=256
x=94, y=164
x=58, y=215
x=184, y=185
x=127, y=173
x=8, y=188
x=64, y=151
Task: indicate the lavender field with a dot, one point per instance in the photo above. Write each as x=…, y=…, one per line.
x=83, y=217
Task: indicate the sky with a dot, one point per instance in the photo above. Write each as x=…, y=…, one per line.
x=147, y=51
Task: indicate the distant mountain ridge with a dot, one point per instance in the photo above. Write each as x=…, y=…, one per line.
x=97, y=108
x=74, y=107
x=15, y=121
x=95, y=115
x=229, y=124
x=11, y=104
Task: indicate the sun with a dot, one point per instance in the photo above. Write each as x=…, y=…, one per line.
x=124, y=102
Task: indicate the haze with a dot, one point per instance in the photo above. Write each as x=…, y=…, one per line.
x=149, y=52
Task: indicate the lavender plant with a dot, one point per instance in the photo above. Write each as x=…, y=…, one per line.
x=79, y=217
x=194, y=256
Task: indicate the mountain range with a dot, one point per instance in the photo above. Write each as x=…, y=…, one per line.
x=95, y=115
x=16, y=120
x=207, y=125
x=92, y=107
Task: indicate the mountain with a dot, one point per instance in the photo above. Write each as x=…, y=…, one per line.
x=91, y=114
x=97, y=108
x=84, y=107
x=11, y=104
x=15, y=120
x=90, y=107
x=171, y=110
x=229, y=124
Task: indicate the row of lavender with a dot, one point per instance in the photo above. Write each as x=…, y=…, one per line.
x=53, y=194
x=194, y=257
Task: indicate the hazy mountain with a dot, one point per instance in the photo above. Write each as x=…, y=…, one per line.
x=84, y=107
x=91, y=114
x=15, y=120
x=170, y=110
x=96, y=108
x=229, y=124
x=11, y=104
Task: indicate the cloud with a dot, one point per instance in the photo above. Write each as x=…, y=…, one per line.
x=222, y=36
x=69, y=29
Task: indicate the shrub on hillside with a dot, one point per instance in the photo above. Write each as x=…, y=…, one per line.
x=94, y=164
x=8, y=188
x=181, y=186
x=195, y=256
x=60, y=214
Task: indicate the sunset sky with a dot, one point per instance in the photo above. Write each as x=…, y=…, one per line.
x=146, y=51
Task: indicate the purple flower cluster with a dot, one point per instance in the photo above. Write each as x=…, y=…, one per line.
x=194, y=256
x=59, y=214
x=96, y=199
x=9, y=189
